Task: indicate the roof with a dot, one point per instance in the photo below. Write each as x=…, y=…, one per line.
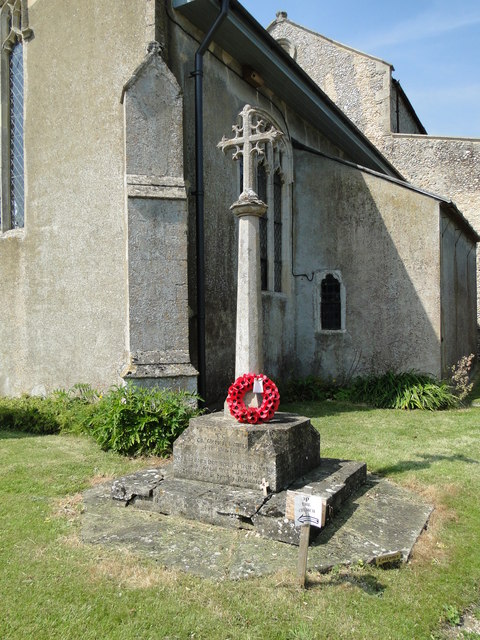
x=282, y=17
x=408, y=104
x=247, y=41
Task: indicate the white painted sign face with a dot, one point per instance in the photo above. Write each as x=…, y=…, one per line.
x=309, y=510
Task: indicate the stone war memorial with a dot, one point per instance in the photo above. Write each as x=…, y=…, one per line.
x=250, y=466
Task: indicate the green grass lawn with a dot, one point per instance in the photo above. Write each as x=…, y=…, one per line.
x=53, y=586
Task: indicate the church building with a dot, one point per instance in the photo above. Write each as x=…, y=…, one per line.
x=118, y=248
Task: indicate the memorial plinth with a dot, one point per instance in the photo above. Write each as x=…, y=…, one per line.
x=217, y=449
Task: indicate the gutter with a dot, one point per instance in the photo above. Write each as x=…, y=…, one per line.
x=199, y=196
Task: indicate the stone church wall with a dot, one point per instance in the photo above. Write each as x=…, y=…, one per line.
x=442, y=165
x=355, y=224
x=63, y=314
x=459, y=326
x=359, y=84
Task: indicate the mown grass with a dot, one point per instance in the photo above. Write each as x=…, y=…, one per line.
x=53, y=586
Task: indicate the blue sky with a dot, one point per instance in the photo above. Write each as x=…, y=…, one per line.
x=434, y=46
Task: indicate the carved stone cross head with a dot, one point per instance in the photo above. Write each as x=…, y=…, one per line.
x=251, y=135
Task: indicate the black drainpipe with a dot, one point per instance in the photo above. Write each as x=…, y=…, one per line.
x=199, y=195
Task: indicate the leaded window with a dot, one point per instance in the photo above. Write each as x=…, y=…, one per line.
x=17, y=177
x=14, y=31
x=262, y=194
x=270, y=189
x=277, y=231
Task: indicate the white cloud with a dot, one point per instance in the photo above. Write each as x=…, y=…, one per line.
x=434, y=22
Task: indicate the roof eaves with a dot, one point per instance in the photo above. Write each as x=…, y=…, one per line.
x=241, y=35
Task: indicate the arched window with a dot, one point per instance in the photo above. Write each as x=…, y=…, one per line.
x=330, y=301
x=13, y=30
x=273, y=187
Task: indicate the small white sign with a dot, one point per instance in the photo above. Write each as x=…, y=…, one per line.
x=257, y=385
x=309, y=510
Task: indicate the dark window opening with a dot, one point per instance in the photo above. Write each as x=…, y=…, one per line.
x=331, y=309
x=277, y=231
x=262, y=194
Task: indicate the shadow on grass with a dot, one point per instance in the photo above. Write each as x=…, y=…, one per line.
x=368, y=583
x=426, y=461
x=323, y=408
x=16, y=435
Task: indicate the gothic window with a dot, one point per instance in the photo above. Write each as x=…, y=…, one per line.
x=331, y=305
x=262, y=194
x=277, y=231
x=14, y=31
x=272, y=188
x=330, y=301
x=272, y=181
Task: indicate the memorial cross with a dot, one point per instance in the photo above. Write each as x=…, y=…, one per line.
x=251, y=136
x=249, y=140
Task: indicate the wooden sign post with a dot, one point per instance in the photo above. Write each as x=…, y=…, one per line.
x=309, y=511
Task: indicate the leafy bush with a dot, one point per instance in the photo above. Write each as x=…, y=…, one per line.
x=28, y=414
x=407, y=390
x=63, y=410
x=133, y=420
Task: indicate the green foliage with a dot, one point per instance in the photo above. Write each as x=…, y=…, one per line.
x=129, y=420
x=408, y=390
x=53, y=588
x=451, y=614
x=28, y=414
x=135, y=421
x=64, y=410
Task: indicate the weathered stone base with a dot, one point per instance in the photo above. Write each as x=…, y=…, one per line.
x=239, y=508
x=216, y=448
x=381, y=522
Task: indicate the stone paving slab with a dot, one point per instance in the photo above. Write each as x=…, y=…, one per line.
x=382, y=519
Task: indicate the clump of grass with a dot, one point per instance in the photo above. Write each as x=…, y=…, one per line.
x=408, y=390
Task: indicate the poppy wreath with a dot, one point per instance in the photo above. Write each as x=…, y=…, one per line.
x=252, y=415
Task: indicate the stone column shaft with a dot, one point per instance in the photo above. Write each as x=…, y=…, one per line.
x=249, y=353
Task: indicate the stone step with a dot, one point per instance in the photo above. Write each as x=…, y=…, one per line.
x=238, y=507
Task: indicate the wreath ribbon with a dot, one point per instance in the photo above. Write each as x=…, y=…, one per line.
x=252, y=415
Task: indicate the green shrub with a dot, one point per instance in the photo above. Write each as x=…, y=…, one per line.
x=407, y=390
x=63, y=410
x=28, y=414
x=134, y=421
